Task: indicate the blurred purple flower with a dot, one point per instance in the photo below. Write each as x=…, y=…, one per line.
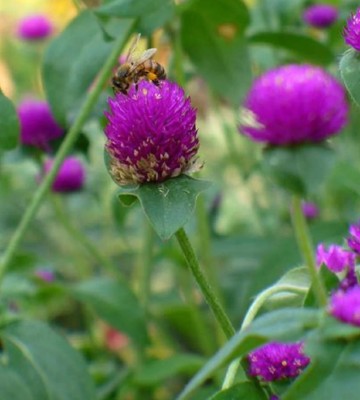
x=275, y=361
x=350, y=280
x=70, y=177
x=294, y=104
x=345, y=305
x=352, y=30
x=38, y=125
x=310, y=210
x=34, y=27
x=335, y=258
x=320, y=15
x=45, y=275
x=354, y=240
x=151, y=134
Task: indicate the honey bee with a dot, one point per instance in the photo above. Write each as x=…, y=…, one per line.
x=137, y=68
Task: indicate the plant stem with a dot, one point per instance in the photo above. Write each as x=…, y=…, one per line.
x=304, y=242
x=79, y=236
x=249, y=317
x=144, y=264
x=61, y=154
x=204, y=285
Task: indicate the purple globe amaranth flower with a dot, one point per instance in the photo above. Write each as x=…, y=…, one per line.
x=45, y=275
x=320, y=15
x=335, y=258
x=151, y=134
x=310, y=210
x=349, y=281
x=294, y=104
x=34, y=27
x=38, y=126
x=345, y=305
x=354, y=240
x=352, y=30
x=69, y=178
x=275, y=361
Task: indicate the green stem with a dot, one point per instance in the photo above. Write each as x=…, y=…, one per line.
x=144, y=264
x=64, y=149
x=79, y=237
x=199, y=325
x=204, y=285
x=304, y=242
x=249, y=317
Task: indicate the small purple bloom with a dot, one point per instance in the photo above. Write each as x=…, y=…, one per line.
x=275, y=361
x=352, y=31
x=294, y=104
x=350, y=280
x=335, y=258
x=45, y=275
x=274, y=397
x=354, y=240
x=320, y=15
x=345, y=305
x=310, y=210
x=151, y=134
x=34, y=27
x=70, y=177
x=38, y=126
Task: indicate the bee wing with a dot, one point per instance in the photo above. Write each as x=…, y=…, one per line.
x=146, y=55
x=132, y=48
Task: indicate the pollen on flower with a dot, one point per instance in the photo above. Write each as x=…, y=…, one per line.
x=276, y=361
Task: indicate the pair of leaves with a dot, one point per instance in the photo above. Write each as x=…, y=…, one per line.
x=299, y=169
x=168, y=204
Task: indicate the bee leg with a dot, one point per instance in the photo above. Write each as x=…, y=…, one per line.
x=156, y=82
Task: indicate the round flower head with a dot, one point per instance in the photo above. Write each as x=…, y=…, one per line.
x=345, y=305
x=320, y=15
x=275, y=361
x=354, y=240
x=38, y=126
x=294, y=104
x=352, y=31
x=151, y=134
x=70, y=177
x=310, y=210
x=335, y=258
x=34, y=27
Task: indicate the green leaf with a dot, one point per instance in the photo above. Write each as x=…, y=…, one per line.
x=333, y=372
x=169, y=204
x=212, y=34
x=299, y=279
x=12, y=387
x=155, y=372
x=350, y=73
x=303, y=46
x=301, y=169
x=46, y=362
x=245, y=390
x=287, y=324
x=152, y=14
x=73, y=60
x=115, y=303
x=9, y=124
